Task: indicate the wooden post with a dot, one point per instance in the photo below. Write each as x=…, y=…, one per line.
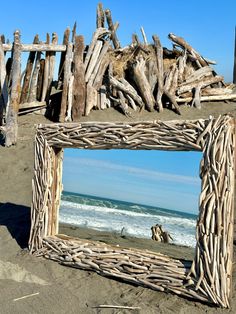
x=40, y=79
x=51, y=66
x=62, y=60
x=111, y=28
x=28, y=72
x=46, y=71
x=4, y=92
x=11, y=128
x=34, y=80
x=100, y=16
x=66, y=78
x=79, y=86
x=234, y=74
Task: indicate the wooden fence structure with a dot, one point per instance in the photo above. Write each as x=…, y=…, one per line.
x=140, y=76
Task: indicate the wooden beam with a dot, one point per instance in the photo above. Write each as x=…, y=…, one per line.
x=11, y=128
x=66, y=77
x=36, y=47
x=79, y=86
x=28, y=72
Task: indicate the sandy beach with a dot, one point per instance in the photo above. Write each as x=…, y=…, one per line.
x=32, y=284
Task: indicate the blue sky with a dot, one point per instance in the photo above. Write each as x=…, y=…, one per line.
x=207, y=25
x=165, y=179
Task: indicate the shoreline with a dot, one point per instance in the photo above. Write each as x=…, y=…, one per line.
x=114, y=238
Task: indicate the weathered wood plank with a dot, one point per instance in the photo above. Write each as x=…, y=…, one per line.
x=4, y=92
x=46, y=71
x=40, y=79
x=79, y=86
x=111, y=28
x=11, y=128
x=100, y=20
x=66, y=39
x=36, y=47
x=28, y=73
x=67, y=75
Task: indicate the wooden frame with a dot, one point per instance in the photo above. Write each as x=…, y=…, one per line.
x=208, y=277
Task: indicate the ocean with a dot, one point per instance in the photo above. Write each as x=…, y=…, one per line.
x=135, y=219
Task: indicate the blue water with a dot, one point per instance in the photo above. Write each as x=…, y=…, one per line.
x=112, y=215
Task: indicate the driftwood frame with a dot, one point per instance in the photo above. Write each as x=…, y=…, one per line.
x=208, y=277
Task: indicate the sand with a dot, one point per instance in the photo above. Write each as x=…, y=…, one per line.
x=48, y=287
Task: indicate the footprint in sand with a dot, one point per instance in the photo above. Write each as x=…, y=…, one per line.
x=15, y=272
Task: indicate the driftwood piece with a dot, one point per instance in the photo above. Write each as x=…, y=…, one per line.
x=181, y=42
x=40, y=79
x=37, y=47
x=144, y=36
x=160, y=72
x=102, y=55
x=152, y=73
x=98, y=34
x=46, y=72
x=3, y=84
x=103, y=98
x=199, y=74
x=91, y=99
x=124, y=88
x=203, y=82
x=34, y=80
x=94, y=59
x=142, y=83
x=52, y=60
x=79, y=87
x=208, y=98
x=98, y=80
x=66, y=78
x=11, y=128
x=122, y=104
x=100, y=21
x=70, y=99
x=28, y=73
x=66, y=39
x=160, y=235
x=111, y=28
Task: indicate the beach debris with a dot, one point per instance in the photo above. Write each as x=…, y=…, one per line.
x=159, y=235
x=120, y=307
x=26, y=296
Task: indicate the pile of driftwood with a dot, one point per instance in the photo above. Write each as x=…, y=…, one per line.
x=103, y=74
x=160, y=235
x=140, y=76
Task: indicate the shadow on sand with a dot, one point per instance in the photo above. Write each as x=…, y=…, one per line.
x=17, y=220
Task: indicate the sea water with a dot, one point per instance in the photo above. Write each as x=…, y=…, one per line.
x=129, y=218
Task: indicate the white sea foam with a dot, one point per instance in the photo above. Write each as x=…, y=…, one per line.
x=136, y=224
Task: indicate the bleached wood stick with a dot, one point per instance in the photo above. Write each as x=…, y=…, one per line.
x=142, y=83
x=123, y=307
x=46, y=72
x=111, y=28
x=144, y=36
x=160, y=77
x=99, y=33
x=100, y=21
x=204, y=82
x=127, y=90
x=70, y=96
x=181, y=42
x=28, y=72
x=208, y=98
x=11, y=128
x=93, y=60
